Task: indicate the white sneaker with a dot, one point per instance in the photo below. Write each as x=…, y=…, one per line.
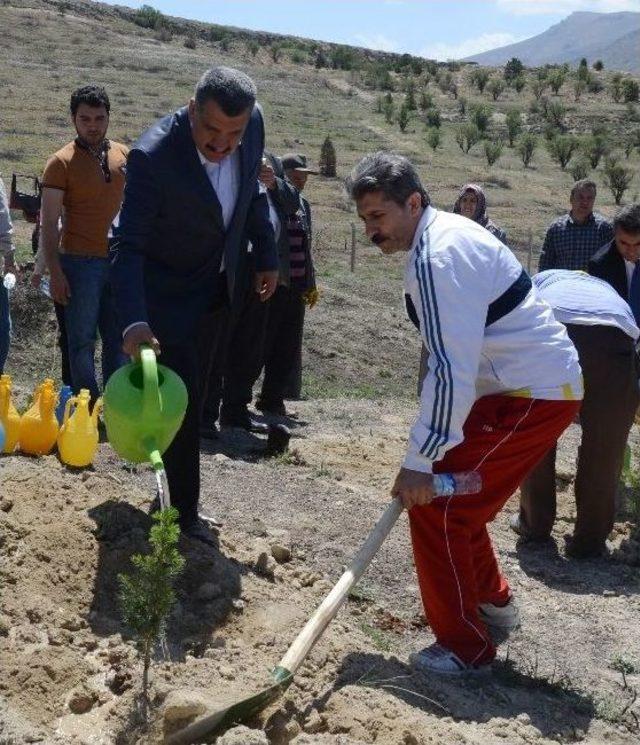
x=505, y=618
x=440, y=660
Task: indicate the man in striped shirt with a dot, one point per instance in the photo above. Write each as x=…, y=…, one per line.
x=503, y=382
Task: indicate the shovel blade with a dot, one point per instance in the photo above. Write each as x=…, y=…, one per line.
x=240, y=711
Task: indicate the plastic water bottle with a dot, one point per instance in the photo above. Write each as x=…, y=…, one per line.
x=9, y=280
x=448, y=484
x=44, y=287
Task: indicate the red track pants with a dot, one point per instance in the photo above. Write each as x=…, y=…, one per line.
x=504, y=438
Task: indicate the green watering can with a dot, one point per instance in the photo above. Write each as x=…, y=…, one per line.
x=144, y=405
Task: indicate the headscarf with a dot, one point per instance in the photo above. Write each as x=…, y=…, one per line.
x=480, y=215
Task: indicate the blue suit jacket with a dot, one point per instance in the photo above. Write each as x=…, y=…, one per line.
x=170, y=237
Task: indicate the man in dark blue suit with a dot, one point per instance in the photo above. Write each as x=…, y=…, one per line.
x=192, y=204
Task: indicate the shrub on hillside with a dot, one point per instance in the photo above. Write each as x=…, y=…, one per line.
x=579, y=88
x=480, y=78
x=496, y=88
x=148, y=17
x=526, y=147
x=556, y=80
x=253, y=47
x=632, y=141
x=513, y=70
x=519, y=84
x=190, y=42
x=594, y=147
x=403, y=117
x=555, y=114
x=630, y=90
x=492, y=151
x=617, y=178
x=434, y=138
x=467, y=135
x=426, y=100
x=616, y=87
x=462, y=105
x=514, y=124
x=561, y=149
x=538, y=87
x=433, y=118
x=327, y=163
x=580, y=169
x=480, y=115
x=163, y=34
x=389, y=108
x=598, y=65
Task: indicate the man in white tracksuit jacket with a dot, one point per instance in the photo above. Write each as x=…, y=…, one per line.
x=503, y=382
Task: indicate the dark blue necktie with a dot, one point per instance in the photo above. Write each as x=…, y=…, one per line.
x=634, y=293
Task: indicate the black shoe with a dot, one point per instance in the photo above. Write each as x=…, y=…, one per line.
x=576, y=550
x=198, y=531
x=276, y=408
x=277, y=440
x=241, y=419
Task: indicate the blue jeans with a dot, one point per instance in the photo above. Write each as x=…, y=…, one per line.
x=5, y=325
x=89, y=310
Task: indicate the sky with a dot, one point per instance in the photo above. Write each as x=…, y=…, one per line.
x=438, y=29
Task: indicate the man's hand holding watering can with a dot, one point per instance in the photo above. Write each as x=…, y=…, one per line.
x=137, y=335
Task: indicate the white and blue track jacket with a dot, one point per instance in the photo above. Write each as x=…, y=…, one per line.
x=485, y=329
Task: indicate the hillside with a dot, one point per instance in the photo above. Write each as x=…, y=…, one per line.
x=613, y=38
x=69, y=673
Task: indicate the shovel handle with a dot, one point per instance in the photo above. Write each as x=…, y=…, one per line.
x=329, y=607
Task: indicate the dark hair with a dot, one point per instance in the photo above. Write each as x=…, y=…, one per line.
x=392, y=174
x=232, y=90
x=92, y=95
x=628, y=218
x=582, y=185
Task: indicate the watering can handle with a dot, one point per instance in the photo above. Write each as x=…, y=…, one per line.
x=67, y=409
x=151, y=404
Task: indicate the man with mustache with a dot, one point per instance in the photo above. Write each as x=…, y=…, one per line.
x=503, y=382
x=192, y=204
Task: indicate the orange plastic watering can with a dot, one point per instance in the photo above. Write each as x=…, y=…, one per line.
x=39, y=427
x=78, y=436
x=9, y=416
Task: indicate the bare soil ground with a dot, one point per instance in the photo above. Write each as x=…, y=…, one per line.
x=69, y=672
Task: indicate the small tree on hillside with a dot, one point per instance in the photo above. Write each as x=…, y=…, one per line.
x=556, y=80
x=561, y=149
x=253, y=47
x=480, y=115
x=410, y=97
x=616, y=87
x=519, y=83
x=630, y=90
x=598, y=65
x=492, y=151
x=467, y=135
x=583, y=69
x=388, y=108
x=433, y=118
x=496, y=88
x=513, y=70
x=327, y=162
x=538, y=87
x=580, y=169
x=453, y=90
x=403, y=118
x=426, y=100
x=526, y=147
x=555, y=114
x=434, y=138
x=617, y=178
x=631, y=142
x=514, y=125
x=594, y=147
x=276, y=52
x=578, y=89
x=462, y=105
x=480, y=78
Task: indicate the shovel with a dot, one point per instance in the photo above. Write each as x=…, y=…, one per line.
x=282, y=675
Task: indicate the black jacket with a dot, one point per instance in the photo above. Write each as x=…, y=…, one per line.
x=608, y=264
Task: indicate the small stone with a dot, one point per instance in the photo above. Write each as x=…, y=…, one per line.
x=6, y=503
x=181, y=706
x=280, y=553
x=208, y=591
x=81, y=700
x=72, y=623
x=243, y=736
x=5, y=626
x=609, y=593
x=265, y=565
x=314, y=722
x=238, y=605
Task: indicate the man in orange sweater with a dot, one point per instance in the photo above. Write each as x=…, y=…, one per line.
x=82, y=188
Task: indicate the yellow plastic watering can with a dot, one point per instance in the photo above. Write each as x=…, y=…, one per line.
x=144, y=405
x=9, y=416
x=39, y=427
x=78, y=437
